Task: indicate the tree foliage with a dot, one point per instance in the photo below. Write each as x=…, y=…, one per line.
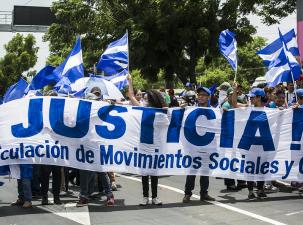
x=21, y=55
x=165, y=35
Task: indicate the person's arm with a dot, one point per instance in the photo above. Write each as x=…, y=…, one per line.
x=131, y=94
x=234, y=102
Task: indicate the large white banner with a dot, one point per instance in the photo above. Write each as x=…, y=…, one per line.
x=246, y=144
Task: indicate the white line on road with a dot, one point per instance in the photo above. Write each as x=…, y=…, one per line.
x=293, y=213
x=222, y=205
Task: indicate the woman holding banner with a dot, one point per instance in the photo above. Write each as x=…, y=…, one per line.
x=154, y=99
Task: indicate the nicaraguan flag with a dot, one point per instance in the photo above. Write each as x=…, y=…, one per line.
x=228, y=47
x=283, y=67
x=16, y=91
x=272, y=51
x=115, y=58
x=43, y=78
x=120, y=79
x=72, y=67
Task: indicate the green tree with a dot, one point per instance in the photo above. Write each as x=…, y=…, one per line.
x=165, y=35
x=21, y=55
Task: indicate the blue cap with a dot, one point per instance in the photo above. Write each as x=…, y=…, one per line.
x=299, y=92
x=204, y=89
x=256, y=92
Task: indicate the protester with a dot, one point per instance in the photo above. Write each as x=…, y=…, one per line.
x=230, y=103
x=257, y=98
x=45, y=171
x=153, y=99
x=24, y=185
x=165, y=96
x=88, y=178
x=173, y=100
x=203, y=94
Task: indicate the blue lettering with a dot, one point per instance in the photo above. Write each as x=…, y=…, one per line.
x=35, y=120
x=118, y=122
x=257, y=120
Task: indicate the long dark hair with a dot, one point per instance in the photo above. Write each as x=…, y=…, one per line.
x=155, y=99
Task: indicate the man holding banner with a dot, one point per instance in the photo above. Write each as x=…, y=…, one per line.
x=203, y=101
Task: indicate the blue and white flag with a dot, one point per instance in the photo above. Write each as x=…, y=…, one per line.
x=44, y=77
x=283, y=68
x=72, y=67
x=115, y=57
x=120, y=79
x=228, y=47
x=272, y=51
x=16, y=91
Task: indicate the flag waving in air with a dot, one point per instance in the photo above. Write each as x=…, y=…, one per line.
x=115, y=58
x=72, y=68
x=228, y=47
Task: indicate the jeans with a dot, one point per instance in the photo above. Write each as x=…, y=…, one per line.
x=87, y=183
x=104, y=181
x=190, y=185
x=24, y=189
x=154, y=186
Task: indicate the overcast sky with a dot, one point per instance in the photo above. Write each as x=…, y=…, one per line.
x=269, y=32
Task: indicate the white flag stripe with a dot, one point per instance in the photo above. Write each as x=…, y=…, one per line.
x=116, y=49
x=274, y=72
x=123, y=65
x=271, y=57
x=73, y=61
x=118, y=79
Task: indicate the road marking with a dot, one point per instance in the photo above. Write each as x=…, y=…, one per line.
x=71, y=213
x=222, y=205
x=293, y=213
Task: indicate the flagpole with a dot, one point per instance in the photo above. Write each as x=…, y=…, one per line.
x=235, y=75
x=292, y=75
x=127, y=52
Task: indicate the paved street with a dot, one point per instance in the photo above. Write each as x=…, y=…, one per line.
x=230, y=208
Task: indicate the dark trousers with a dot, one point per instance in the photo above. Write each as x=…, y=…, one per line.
x=36, y=181
x=154, y=186
x=250, y=185
x=190, y=184
x=56, y=184
x=229, y=182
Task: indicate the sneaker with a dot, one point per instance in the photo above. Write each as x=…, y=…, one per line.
x=261, y=194
x=27, y=205
x=186, y=199
x=145, y=201
x=57, y=201
x=270, y=188
x=251, y=196
x=114, y=187
x=18, y=202
x=206, y=197
x=44, y=201
x=82, y=202
x=156, y=201
x=110, y=200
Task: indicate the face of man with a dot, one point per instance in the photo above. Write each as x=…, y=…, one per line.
x=203, y=98
x=256, y=101
x=290, y=87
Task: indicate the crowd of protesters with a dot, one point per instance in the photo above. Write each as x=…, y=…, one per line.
x=35, y=178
